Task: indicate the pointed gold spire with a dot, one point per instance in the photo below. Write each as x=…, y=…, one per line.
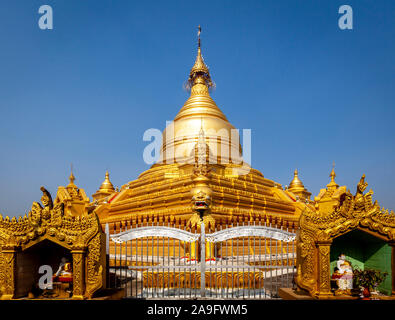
x=200, y=102
x=71, y=178
x=333, y=174
x=71, y=187
x=332, y=184
x=199, y=74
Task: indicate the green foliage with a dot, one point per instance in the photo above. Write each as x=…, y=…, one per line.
x=368, y=278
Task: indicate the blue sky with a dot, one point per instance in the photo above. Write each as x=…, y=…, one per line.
x=85, y=92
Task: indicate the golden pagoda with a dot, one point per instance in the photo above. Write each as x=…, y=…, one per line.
x=200, y=181
x=166, y=191
x=106, y=189
x=296, y=187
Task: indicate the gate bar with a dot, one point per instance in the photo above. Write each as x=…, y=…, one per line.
x=202, y=261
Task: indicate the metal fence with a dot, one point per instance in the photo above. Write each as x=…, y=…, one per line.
x=167, y=260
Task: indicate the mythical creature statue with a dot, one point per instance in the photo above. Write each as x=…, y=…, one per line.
x=39, y=213
x=200, y=204
x=361, y=200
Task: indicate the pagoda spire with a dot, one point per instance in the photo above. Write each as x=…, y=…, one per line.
x=71, y=178
x=199, y=74
x=332, y=185
x=71, y=187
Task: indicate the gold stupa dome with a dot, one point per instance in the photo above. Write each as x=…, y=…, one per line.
x=181, y=135
x=106, y=186
x=105, y=189
x=296, y=186
x=296, y=182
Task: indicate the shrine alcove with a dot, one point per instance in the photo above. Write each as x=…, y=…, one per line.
x=364, y=251
x=355, y=227
x=29, y=261
x=43, y=237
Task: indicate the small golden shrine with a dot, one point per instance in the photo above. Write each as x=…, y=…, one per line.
x=351, y=226
x=47, y=235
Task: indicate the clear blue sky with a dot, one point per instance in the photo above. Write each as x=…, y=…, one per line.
x=85, y=92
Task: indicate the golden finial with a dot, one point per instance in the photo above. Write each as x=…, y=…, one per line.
x=332, y=184
x=71, y=178
x=199, y=73
x=71, y=187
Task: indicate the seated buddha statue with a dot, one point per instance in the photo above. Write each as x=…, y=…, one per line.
x=64, y=273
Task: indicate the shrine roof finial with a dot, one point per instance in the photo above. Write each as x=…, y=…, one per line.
x=332, y=184
x=71, y=178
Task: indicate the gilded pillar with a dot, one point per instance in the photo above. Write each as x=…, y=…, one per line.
x=324, y=281
x=78, y=273
x=8, y=256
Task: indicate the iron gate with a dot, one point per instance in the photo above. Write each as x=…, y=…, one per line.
x=161, y=261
